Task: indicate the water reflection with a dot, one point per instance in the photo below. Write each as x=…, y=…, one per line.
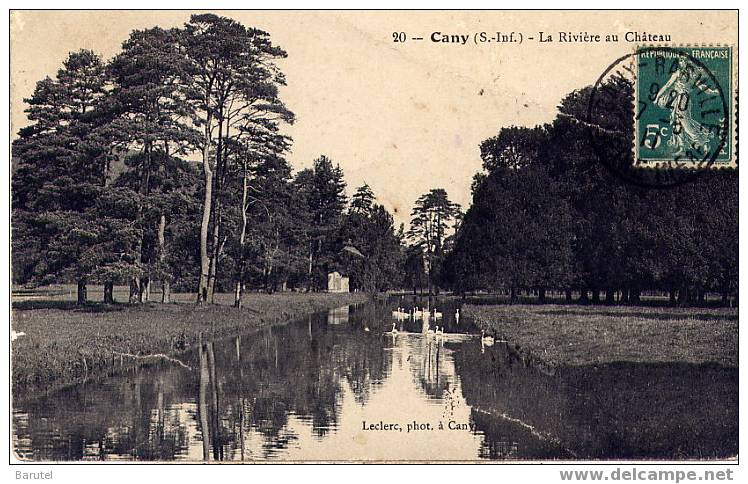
x=309, y=390
x=620, y=410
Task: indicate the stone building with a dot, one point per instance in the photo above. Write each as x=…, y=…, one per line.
x=337, y=282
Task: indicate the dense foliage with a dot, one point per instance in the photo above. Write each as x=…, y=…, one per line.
x=548, y=214
x=168, y=163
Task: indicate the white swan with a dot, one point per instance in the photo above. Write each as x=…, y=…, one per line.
x=400, y=314
x=393, y=331
x=439, y=331
x=485, y=340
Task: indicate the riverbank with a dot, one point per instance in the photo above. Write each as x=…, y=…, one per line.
x=581, y=335
x=65, y=344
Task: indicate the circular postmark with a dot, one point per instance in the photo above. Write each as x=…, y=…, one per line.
x=659, y=117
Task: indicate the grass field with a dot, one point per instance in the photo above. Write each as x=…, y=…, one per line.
x=579, y=335
x=65, y=344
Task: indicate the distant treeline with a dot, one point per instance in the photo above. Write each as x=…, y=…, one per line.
x=167, y=163
x=552, y=211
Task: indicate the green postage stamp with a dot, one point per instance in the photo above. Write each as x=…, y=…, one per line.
x=684, y=113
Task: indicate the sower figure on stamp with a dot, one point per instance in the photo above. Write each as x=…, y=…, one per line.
x=675, y=96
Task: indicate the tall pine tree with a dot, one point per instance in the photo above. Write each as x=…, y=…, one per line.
x=62, y=168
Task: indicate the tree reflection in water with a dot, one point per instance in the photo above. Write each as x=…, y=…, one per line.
x=613, y=411
x=297, y=370
x=302, y=391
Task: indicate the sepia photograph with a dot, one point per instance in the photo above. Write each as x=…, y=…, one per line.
x=374, y=236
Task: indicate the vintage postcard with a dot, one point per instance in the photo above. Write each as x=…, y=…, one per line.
x=374, y=236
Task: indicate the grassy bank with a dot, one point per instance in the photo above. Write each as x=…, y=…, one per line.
x=579, y=335
x=65, y=344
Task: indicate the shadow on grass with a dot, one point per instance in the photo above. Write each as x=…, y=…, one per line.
x=100, y=307
x=90, y=307
x=503, y=300
x=643, y=315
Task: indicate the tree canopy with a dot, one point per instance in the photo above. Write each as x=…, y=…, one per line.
x=169, y=163
x=549, y=211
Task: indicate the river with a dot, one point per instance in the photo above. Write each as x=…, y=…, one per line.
x=340, y=386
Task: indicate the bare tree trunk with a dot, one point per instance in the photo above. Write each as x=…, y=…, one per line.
x=238, y=294
x=109, y=292
x=143, y=292
x=213, y=258
x=427, y=270
x=214, y=270
x=242, y=236
x=145, y=289
x=269, y=286
x=165, y=291
x=683, y=296
x=134, y=290
x=309, y=274
x=220, y=176
x=165, y=283
x=202, y=288
x=82, y=292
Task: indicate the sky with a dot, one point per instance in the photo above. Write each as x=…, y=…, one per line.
x=402, y=117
